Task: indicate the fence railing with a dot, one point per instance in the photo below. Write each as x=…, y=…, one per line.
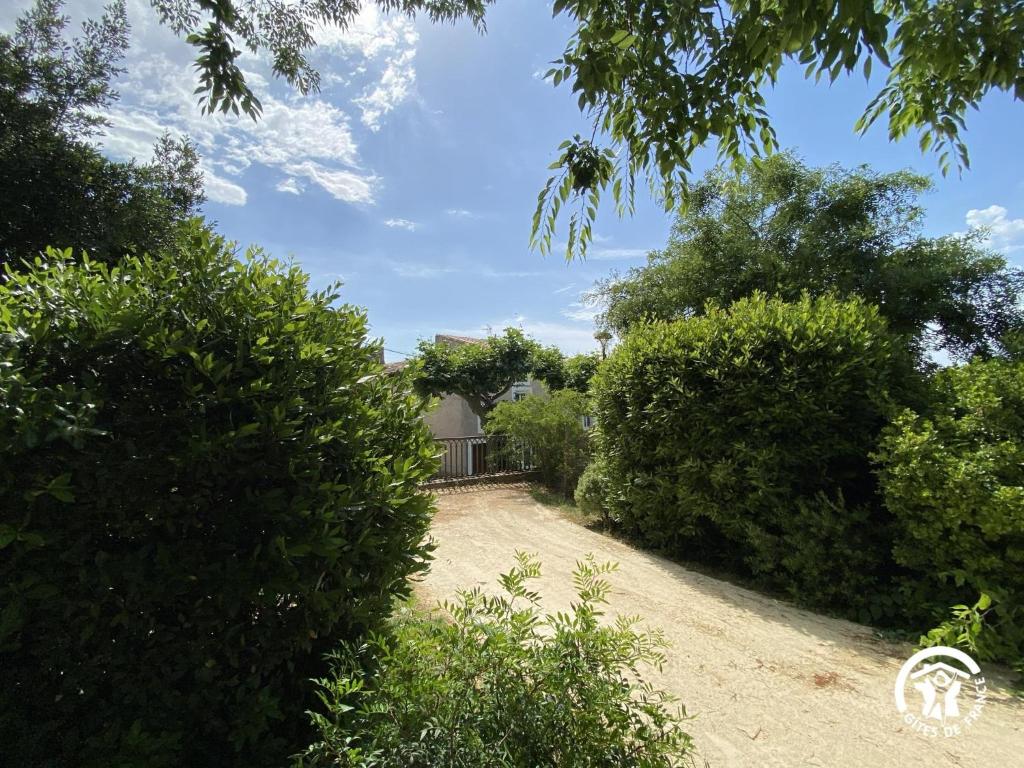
x=473, y=456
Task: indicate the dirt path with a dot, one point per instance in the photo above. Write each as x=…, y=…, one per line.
x=767, y=684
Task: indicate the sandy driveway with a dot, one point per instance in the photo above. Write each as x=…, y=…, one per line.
x=767, y=684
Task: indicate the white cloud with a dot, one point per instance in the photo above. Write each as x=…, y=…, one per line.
x=581, y=312
x=308, y=138
x=401, y=224
x=571, y=339
x=291, y=185
x=610, y=254
x=565, y=289
x=417, y=271
x=220, y=190
x=499, y=273
x=461, y=213
x=374, y=36
x=393, y=88
x=1004, y=234
x=342, y=185
x=371, y=34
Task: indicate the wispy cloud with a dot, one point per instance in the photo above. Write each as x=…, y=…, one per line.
x=416, y=271
x=1004, y=234
x=581, y=312
x=462, y=213
x=401, y=224
x=571, y=339
x=221, y=190
x=611, y=254
x=565, y=289
x=500, y=273
x=310, y=139
x=290, y=185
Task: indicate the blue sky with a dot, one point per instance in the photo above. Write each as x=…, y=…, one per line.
x=412, y=176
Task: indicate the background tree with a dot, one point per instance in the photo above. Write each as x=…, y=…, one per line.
x=783, y=228
x=579, y=370
x=663, y=79
x=480, y=372
x=58, y=189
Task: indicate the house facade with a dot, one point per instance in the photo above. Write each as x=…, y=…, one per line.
x=452, y=417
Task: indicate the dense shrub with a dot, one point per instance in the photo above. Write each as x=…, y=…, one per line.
x=502, y=684
x=553, y=429
x=205, y=487
x=954, y=482
x=592, y=489
x=742, y=437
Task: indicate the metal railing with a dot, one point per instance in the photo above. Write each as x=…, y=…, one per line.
x=479, y=455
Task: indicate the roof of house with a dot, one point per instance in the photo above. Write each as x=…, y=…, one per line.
x=447, y=338
x=396, y=366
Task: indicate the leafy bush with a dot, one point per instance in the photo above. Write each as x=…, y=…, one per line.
x=592, y=490
x=742, y=437
x=954, y=481
x=205, y=487
x=501, y=684
x=553, y=428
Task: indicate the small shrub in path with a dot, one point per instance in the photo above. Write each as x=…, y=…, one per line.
x=502, y=685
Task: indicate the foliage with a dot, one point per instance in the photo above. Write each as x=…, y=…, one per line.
x=662, y=79
x=478, y=371
x=553, y=428
x=502, y=684
x=579, y=370
x=558, y=372
x=206, y=485
x=741, y=438
x=954, y=482
x=58, y=189
x=963, y=629
x=592, y=490
x=68, y=81
x=783, y=228
x=283, y=29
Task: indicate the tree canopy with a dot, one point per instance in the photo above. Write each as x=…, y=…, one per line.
x=58, y=188
x=783, y=228
x=480, y=371
x=662, y=79
x=285, y=30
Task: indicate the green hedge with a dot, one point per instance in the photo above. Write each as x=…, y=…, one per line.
x=742, y=438
x=954, y=482
x=206, y=485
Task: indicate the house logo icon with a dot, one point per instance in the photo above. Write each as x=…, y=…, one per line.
x=940, y=698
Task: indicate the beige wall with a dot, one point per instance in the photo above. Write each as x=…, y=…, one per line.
x=452, y=417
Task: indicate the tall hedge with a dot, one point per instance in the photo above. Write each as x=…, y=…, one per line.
x=742, y=438
x=954, y=480
x=206, y=484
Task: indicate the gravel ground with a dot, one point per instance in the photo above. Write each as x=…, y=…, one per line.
x=766, y=684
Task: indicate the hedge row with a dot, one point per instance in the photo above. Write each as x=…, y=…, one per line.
x=752, y=437
x=206, y=486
